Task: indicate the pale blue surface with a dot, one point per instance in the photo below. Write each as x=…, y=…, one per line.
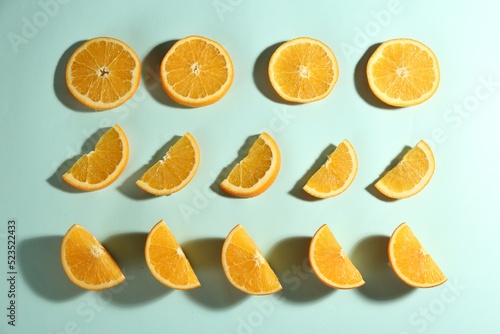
x=41, y=126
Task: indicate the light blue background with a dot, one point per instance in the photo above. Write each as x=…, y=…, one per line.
x=42, y=128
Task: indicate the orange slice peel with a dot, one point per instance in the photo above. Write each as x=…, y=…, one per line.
x=166, y=259
x=102, y=166
x=336, y=174
x=196, y=71
x=330, y=263
x=86, y=262
x=410, y=262
x=103, y=73
x=244, y=265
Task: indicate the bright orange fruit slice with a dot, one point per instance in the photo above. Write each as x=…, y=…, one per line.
x=410, y=175
x=103, y=73
x=411, y=263
x=175, y=171
x=336, y=174
x=102, y=166
x=403, y=72
x=86, y=262
x=303, y=70
x=330, y=263
x=196, y=71
x=257, y=171
x=167, y=261
x=245, y=266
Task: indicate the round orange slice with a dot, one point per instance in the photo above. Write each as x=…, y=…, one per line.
x=196, y=71
x=245, y=266
x=330, y=263
x=86, y=262
x=102, y=166
x=167, y=261
x=410, y=175
x=103, y=73
x=403, y=72
x=411, y=263
x=257, y=171
x=175, y=171
x=303, y=70
x=336, y=174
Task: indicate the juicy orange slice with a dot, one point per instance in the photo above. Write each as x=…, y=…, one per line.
x=245, y=266
x=103, y=73
x=330, y=263
x=410, y=175
x=86, y=262
x=336, y=174
x=303, y=70
x=403, y=72
x=175, y=171
x=257, y=171
x=196, y=71
x=166, y=260
x=102, y=166
x=411, y=263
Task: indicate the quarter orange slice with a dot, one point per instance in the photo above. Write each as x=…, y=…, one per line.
x=103, y=73
x=166, y=260
x=303, y=70
x=86, y=262
x=410, y=175
x=257, y=171
x=245, y=266
x=411, y=263
x=102, y=166
x=175, y=171
x=196, y=71
x=403, y=72
x=336, y=174
x=330, y=263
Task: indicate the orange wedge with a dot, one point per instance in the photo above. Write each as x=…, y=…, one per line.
x=303, y=70
x=86, y=262
x=103, y=73
x=336, y=174
x=330, y=263
x=411, y=263
x=410, y=175
x=403, y=72
x=102, y=166
x=166, y=260
x=245, y=266
x=257, y=171
x=196, y=71
x=175, y=171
